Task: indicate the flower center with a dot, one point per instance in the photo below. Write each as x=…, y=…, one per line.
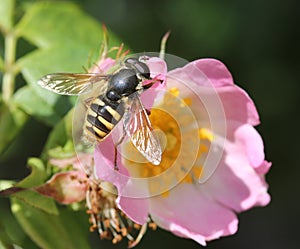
x=180, y=138
x=165, y=123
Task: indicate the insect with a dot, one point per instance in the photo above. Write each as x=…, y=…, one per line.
x=116, y=98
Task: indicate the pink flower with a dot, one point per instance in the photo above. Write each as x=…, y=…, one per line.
x=213, y=162
x=66, y=187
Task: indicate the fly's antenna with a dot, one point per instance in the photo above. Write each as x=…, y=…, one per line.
x=163, y=45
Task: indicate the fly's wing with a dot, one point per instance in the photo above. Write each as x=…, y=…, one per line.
x=72, y=83
x=138, y=127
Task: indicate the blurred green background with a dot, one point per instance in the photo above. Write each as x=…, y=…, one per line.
x=259, y=42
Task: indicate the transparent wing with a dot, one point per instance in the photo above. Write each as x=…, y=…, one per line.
x=138, y=127
x=72, y=83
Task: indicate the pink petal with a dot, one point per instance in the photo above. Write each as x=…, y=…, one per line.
x=104, y=164
x=215, y=71
x=208, y=79
x=189, y=212
x=238, y=105
x=135, y=209
x=245, y=143
x=158, y=69
x=263, y=168
x=236, y=182
x=204, y=72
x=247, y=138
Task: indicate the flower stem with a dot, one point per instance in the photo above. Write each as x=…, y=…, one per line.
x=8, y=83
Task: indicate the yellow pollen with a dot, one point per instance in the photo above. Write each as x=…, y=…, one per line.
x=171, y=141
x=205, y=134
x=187, y=101
x=203, y=148
x=163, y=121
x=174, y=91
x=195, y=174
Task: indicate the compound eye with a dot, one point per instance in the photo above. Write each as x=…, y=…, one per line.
x=139, y=66
x=143, y=69
x=113, y=96
x=131, y=62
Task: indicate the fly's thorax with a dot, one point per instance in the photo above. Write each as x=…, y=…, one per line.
x=102, y=116
x=124, y=82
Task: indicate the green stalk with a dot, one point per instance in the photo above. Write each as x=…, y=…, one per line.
x=8, y=84
x=10, y=41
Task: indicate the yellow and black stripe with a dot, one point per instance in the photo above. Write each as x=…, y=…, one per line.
x=102, y=116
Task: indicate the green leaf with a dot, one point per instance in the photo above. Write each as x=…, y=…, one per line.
x=11, y=232
x=58, y=58
x=64, y=23
x=49, y=110
x=68, y=230
x=12, y=121
x=61, y=133
x=65, y=38
x=6, y=14
x=66, y=46
x=37, y=201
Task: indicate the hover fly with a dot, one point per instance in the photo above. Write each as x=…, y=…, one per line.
x=116, y=99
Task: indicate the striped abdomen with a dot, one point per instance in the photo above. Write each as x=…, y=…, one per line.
x=102, y=116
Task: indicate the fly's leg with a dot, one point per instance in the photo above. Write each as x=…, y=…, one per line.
x=116, y=151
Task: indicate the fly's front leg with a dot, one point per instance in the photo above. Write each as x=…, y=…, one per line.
x=116, y=150
x=126, y=119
